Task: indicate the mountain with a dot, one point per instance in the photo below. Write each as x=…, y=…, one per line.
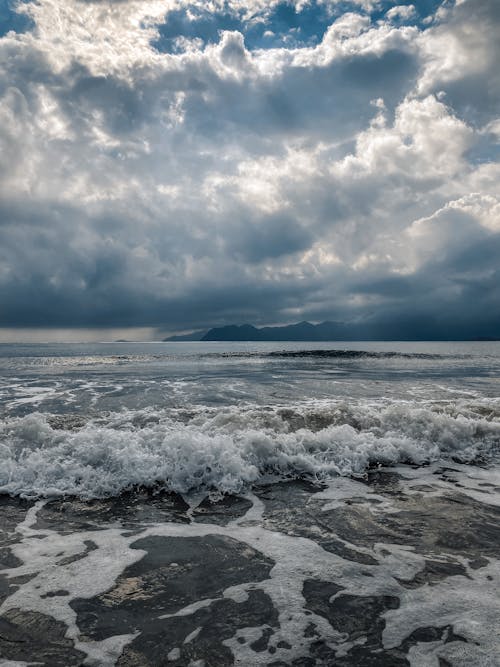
x=302, y=331
x=193, y=336
x=411, y=329
x=234, y=332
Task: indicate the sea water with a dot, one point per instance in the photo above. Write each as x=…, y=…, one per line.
x=95, y=420
x=196, y=504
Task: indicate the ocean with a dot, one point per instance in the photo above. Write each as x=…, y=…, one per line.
x=250, y=503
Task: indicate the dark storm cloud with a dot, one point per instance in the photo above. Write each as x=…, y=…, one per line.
x=271, y=236
x=319, y=160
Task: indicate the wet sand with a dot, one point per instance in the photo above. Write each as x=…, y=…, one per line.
x=401, y=567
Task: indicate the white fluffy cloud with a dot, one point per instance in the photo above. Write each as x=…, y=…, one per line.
x=401, y=13
x=221, y=182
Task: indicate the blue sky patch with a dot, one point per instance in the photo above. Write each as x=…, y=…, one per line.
x=424, y=8
x=10, y=19
x=282, y=26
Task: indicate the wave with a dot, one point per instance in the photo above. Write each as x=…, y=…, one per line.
x=78, y=361
x=324, y=354
x=125, y=359
x=353, y=354
x=228, y=449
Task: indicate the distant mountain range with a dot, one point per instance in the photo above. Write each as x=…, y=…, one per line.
x=326, y=331
x=302, y=331
x=193, y=336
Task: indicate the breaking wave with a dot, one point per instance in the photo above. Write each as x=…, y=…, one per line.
x=227, y=449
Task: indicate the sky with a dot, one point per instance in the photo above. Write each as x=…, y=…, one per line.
x=170, y=165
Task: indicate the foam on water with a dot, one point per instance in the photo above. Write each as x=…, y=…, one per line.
x=227, y=449
x=467, y=602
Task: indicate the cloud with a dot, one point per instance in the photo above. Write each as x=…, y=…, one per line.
x=401, y=13
x=348, y=171
x=460, y=55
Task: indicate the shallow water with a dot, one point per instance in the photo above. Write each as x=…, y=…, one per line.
x=252, y=504
x=400, y=568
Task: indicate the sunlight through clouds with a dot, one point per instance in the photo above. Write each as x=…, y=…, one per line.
x=159, y=157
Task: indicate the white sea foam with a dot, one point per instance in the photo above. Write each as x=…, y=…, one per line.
x=468, y=603
x=228, y=449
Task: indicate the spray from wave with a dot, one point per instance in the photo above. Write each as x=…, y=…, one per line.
x=227, y=449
